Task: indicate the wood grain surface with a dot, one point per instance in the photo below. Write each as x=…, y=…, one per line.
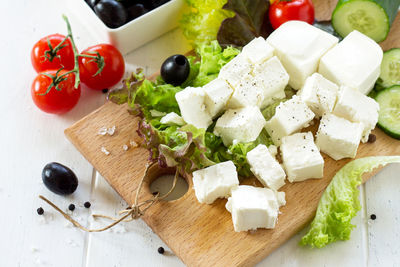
x=203, y=235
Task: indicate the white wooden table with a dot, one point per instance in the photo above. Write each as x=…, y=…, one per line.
x=29, y=139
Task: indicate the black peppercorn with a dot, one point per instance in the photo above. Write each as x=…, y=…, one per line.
x=40, y=211
x=105, y=90
x=87, y=204
x=71, y=207
x=161, y=250
x=373, y=216
x=371, y=138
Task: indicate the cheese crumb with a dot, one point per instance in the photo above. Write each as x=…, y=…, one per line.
x=105, y=151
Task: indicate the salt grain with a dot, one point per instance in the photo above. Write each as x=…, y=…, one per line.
x=118, y=229
x=102, y=131
x=71, y=242
x=125, y=147
x=111, y=130
x=105, y=151
x=133, y=143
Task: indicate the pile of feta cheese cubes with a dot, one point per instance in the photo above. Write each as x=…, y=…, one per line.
x=332, y=80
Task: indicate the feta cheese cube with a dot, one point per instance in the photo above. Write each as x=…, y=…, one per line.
x=234, y=71
x=319, y=94
x=265, y=167
x=192, y=107
x=258, y=50
x=273, y=150
x=290, y=116
x=172, y=119
x=253, y=207
x=246, y=93
x=338, y=137
x=280, y=197
x=240, y=125
x=299, y=46
x=215, y=181
x=354, y=62
x=357, y=107
x=301, y=157
x=217, y=94
x=272, y=77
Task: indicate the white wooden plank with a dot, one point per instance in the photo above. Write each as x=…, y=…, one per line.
x=349, y=253
x=137, y=244
x=128, y=244
x=383, y=200
x=29, y=139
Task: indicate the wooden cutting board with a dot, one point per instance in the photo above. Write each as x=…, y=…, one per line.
x=203, y=235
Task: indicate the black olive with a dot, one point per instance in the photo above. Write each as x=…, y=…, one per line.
x=157, y=3
x=111, y=12
x=92, y=3
x=59, y=179
x=135, y=11
x=175, y=69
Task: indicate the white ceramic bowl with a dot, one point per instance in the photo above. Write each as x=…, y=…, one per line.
x=132, y=34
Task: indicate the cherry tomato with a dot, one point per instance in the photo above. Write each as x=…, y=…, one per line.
x=62, y=58
x=112, y=72
x=281, y=11
x=56, y=102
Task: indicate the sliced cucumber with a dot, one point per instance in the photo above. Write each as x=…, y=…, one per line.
x=389, y=114
x=390, y=69
x=371, y=17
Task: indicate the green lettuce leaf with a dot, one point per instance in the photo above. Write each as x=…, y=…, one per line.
x=212, y=59
x=141, y=93
x=340, y=203
x=186, y=147
x=200, y=25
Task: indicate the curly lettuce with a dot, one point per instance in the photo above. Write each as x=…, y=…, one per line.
x=212, y=59
x=340, y=203
x=201, y=24
x=187, y=147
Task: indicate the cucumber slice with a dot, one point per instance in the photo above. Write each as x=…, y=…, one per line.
x=389, y=114
x=390, y=69
x=367, y=16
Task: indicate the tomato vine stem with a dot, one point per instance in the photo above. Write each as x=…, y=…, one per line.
x=52, y=53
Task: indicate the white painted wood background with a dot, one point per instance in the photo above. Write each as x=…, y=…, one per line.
x=29, y=139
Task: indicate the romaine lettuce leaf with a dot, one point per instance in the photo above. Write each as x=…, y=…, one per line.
x=340, y=203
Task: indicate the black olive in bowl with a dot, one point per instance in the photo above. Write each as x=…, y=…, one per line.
x=59, y=179
x=92, y=3
x=111, y=12
x=135, y=11
x=175, y=69
x=156, y=3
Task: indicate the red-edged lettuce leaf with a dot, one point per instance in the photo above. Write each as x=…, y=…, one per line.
x=250, y=21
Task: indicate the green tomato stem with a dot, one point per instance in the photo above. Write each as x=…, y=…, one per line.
x=76, y=54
